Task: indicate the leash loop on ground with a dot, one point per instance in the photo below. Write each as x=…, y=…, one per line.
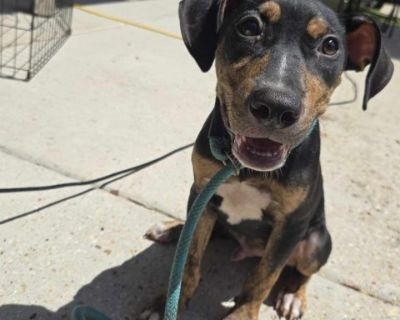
x=87, y=313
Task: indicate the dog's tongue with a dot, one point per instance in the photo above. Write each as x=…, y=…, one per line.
x=259, y=153
x=261, y=144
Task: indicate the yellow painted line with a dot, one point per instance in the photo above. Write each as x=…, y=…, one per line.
x=129, y=22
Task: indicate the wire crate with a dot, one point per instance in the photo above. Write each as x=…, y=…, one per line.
x=31, y=31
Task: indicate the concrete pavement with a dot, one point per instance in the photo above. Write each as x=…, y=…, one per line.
x=115, y=96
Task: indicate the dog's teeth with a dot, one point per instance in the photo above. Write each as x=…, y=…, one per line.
x=269, y=154
x=240, y=140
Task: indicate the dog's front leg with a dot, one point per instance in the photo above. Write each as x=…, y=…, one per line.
x=192, y=274
x=281, y=243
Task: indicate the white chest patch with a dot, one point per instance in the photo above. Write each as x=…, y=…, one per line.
x=241, y=202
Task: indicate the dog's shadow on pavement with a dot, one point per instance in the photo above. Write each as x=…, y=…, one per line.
x=123, y=291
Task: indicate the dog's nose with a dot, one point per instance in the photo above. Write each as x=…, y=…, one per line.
x=275, y=108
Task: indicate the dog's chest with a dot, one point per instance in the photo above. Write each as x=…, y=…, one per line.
x=243, y=202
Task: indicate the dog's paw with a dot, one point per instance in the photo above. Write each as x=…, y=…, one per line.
x=290, y=306
x=164, y=232
x=155, y=310
x=150, y=315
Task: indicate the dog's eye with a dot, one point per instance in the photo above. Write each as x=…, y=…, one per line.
x=329, y=46
x=250, y=26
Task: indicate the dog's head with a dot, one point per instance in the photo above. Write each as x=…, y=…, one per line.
x=277, y=63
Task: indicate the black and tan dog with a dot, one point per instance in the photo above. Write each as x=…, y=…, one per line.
x=277, y=63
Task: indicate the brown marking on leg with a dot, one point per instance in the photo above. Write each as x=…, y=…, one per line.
x=303, y=258
x=312, y=252
x=201, y=237
x=317, y=27
x=271, y=10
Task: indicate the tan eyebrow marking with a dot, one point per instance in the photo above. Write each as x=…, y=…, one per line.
x=317, y=27
x=271, y=10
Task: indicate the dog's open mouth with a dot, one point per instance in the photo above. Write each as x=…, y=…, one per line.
x=260, y=154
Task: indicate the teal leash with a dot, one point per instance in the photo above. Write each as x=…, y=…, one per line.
x=220, y=147
x=182, y=249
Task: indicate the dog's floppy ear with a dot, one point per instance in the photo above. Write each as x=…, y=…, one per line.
x=199, y=21
x=364, y=46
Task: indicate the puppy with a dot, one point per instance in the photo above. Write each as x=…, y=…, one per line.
x=277, y=63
